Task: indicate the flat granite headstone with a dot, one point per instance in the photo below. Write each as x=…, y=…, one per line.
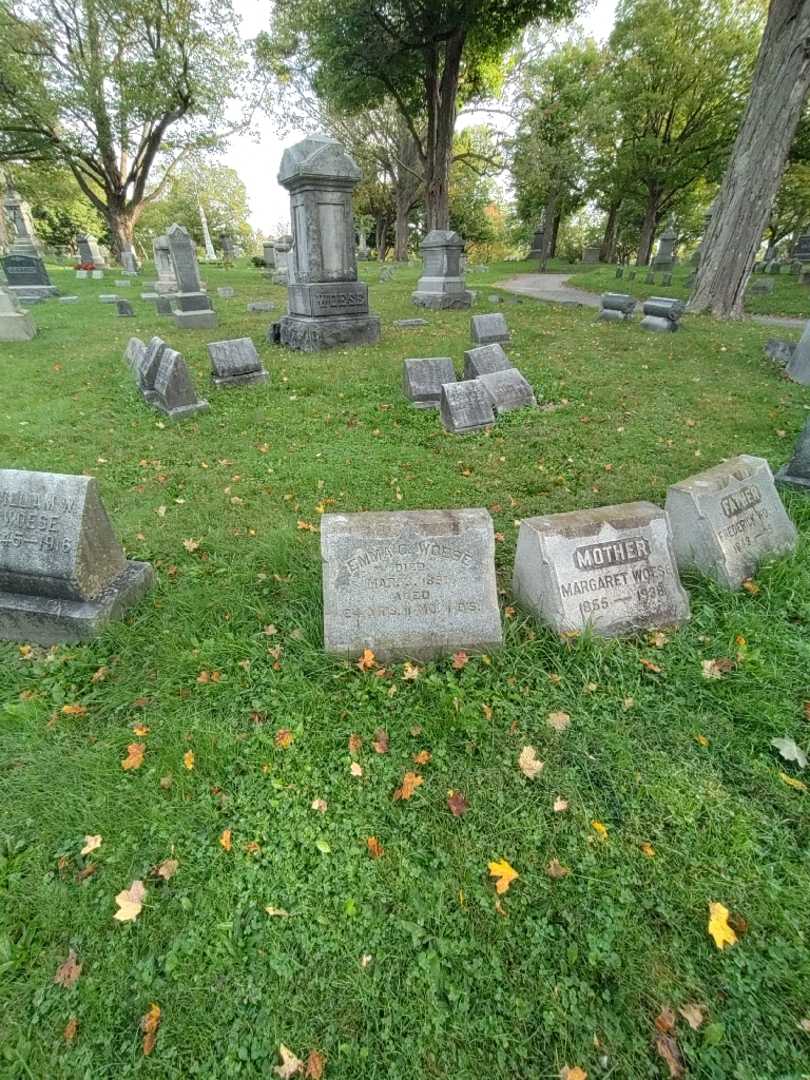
x=796, y=474
x=122, y=283
x=68, y=300
x=63, y=574
x=727, y=519
x=489, y=329
x=260, y=305
x=508, y=390
x=423, y=378
x=15, y=323
x=174, y=392
x=798, y=365
x=235, y=363
x=409, y=584
x=484, y=359
x=407, y=324
x=225, y=291
x=611, y=568
x=108, y=298
x=465, y=407
x=125, y=309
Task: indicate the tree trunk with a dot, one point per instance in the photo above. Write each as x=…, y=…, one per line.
x=607, y=251
x=645, y=240
x=381, y=234
x=555, y=232
x=441, y=94
x=401, y=228
x=121, y=223
x=550, y=218
x=778, y=92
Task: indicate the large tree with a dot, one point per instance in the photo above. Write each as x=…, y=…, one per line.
x=421, y=54
x=120, y=91
x=778, y=94
x=58, y=206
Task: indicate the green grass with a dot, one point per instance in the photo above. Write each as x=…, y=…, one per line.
x=577, y=969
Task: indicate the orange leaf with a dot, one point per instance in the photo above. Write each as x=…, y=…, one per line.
x=140, y=730
x=422, y=758
x=72, y=1026
x=504, y=873
x=375, y=848
x=650, y=666
x=367, y=661
x=572, y=1072
x=150, y=1024
x=648, y=850
x=316, y=1062
x=74, y=710
x=225, y=839
x=283, y=738
x=355, y=744
x=134, y=758
x=67, y=974
x=460, y=660
x=410, y=782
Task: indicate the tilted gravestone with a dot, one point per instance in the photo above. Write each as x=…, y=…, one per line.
x=15, y=324
x=191, y=306
x=508, y=390
x=798, y=365
x=125, y=309
x=616, y=307
x=727, y=519
x=144, y=362
x=611, y=568
x=490, y=329
x=235, y=363
x=781, y=352
x=662, y=314
x=465, y=407
x=174, y=393
x=63, y=574
x=484, y=359
x=423, y=378
x=89, y=251
x=796, y=474
x=410, y=584
x=327, y=305
x=135, y=354
x=442, y=282
x=129, y=261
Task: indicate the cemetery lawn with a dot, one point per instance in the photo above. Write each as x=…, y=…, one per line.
x=408, y=965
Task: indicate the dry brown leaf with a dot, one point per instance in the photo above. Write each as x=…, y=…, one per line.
x=355, y=769
x=666, y=1020
x=560, y=805
x=647, y=849
x=716, y=669
x=367, y=661
x=558, y=720
x=67, y=974
x=355, y=744
x=649, y=665
x=528, y=762
x=150, y=1024
x=422, y=758
x=319, y=805
x=226, y=839
x=290, y=1065
x=100, y=675
x=555, y=869
x=658, y=639
x=457, y=803
x=460, y=660
x=487, y=711
x=804, y=1025
x=90, y=844
x=316, y=1063
x=375, y=848
x=71, y=1027
x=283, y=738
x=166, y=781
x=130, y=902
x=667, y=1048
x=167, y=869
x=74, y=710
x=410, y=782
x=277, y=912
x=134, y=758
x=694, y=1015
x=380, y=741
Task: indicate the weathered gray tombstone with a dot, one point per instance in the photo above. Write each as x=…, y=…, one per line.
x=781, y=352
x=590, y=254
x=174, y=393
x=410, y=584
x=665, y=256
x=662, y=314
x=108, y=298
x=225, y=291
x=761, y=287
x=423, y=379
x=63, y=574
x=269, y=254
x=260, y=305
x=97, y=275
x=235, y=363
x=536, y=251
x=726, y=520
x=442, y=282
x=15, y=323
x=191, y=307
x=465, y=407
x=611, y=568
x=327, y=305
x=163, y=304
x=616, y=307
x=408, y=324
x=508, y=390
x=145, y=364
x=796, y=474
x=282, y=251
x=798, y=365
x=484, y=359
x=122, y=283
x=166, y=280
x=489, y=329
x=23, y=235
x=89, y=251
x=26, y=276
x=68, y=300
x=125, y=309
x=149, y=296
x=129, y=261
x=135, y=354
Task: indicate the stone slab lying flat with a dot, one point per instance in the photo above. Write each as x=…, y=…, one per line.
x=407, y=324
x=465, y=407
x=508, y=390
x=611, y=569
x=484, y=359
x=489, y=329
x=423, y=378
x=796, y=474
x=410, y=584
x=726, y=520
x=63, y=573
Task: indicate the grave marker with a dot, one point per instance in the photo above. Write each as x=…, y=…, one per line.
x=235, y=363
x=465, y=407
x=490, y=329
x=26, y=274
x=423, y=378
x=661, y=314
x=508, y=390
x=798, y=364
x=191, y=307
x=796, y=474
x=485, y=359
x=442, y=282
x=616, y=307
x=125, y=309
x=174, y=393
x=15, y=323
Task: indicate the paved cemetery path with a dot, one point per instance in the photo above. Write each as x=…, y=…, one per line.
x=554, y=287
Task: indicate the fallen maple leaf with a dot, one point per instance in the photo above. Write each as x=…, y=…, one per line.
x=380, y=741
x=355, y=769
x=74, y=710
x=647, y=849
x=150, y=1024
x=667, y=1049
x=555, y=869
x=355, y=744
x=188, y=759
x=666, y=1020
x=375, y=848
x=367, y=661
x=283, y=738
x=411, y=671
x=100, y=675
x=67, y=974
x=134, y=758
x=191, y=545
x=600, y=829
x=558, y=720
x=460, y=660
x=716, y=669
x=457, y=803
x=422, y=758
x=316, y=1063
x=572, y=1072
x=694, y=1015
x=649, y=665
x=504, y=873
x=226, y=840
x=719, y=928
x=410, y=782
x=319, y=805
x=528, y=762
x=90, y=844
x=130, y=902
x=791, y=781
x=306, y=526
x=167, y=869
x=560, y=805
x=290, y=1064
x=790, y=751
x=71, y=1027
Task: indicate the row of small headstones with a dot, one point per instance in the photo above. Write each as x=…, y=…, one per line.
x=661, y=313
x=649, y=277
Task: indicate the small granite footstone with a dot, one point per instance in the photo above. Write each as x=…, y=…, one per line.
x=174, y=393
x=796, y=474
x=727, y=519
x=235, y=363
x=423, y=378
x=149, y=296
x=611, y=568
x=489, y=329
x=260, y=305
x=508, y=390
x=63, y=574
x=68, y=300
x=125, y=309
x=122, y=283
x=407, y=324
x=485, y=359
x=493, y=298
x=108, y=298
x=225, y=291
x=410, y=584
x=465, y=407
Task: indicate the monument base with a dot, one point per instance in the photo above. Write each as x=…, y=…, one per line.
x=311, y=334
x=795, y=483
x=179, y=412
x=17, y=326
x=440, y=299
x=195, y=320
x=658, y=325
x=47, y=621
x=248, y=379
x=39, y=292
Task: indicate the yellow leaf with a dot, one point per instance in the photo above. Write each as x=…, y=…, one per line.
x=410, y=782
x=225, y=839
x=290, y=1065
x=130, y=901
x=791, y=781
x=648, y=850
x=277, y=912
x=25, y=650
x=140, y=730
x=150, y=1024
x=134, y=758
x=504, y=873
x=719, y=928
x=74, y=710
x=90, y=844
x=600, y=829
x=701, y=740
x=367, y=661
x=573, y=1072
x=188, y=759
x=528, y=762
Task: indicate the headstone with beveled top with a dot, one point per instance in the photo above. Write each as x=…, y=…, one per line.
x=166, y=280
x=15, y=324
x=423, y=378
x=465, y=407
x=191, y=306
x=508, y=390
x=442, y=282
x=235, y=363
x=796, y=474
x=484, y=359
x=410, y=584
x=798, y=365
x=135, y=354
x=727, y=519
x=63, y=574
x=129, y=261
x=489, y=329
x=89, y=252
x=144, y=362
x=611, y=568
x=174, y=393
